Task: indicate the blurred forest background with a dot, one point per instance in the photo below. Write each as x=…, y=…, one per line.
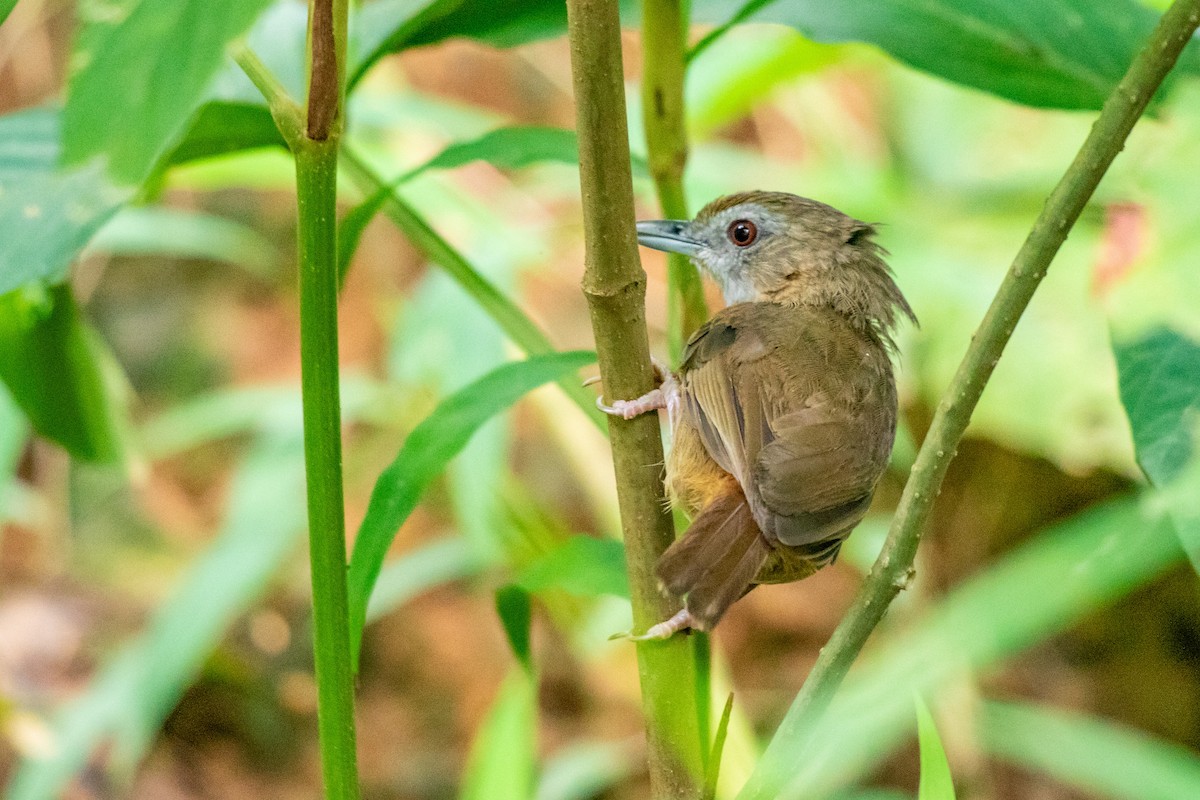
x=154, y=620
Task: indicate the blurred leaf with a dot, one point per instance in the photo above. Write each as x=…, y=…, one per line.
x=502, y=760
x=163, y=231
x=1160, y=387
x=936, y=782
x=1089, y=754
x=120, y=78
x=389, y=26
x=1046, y=585
x=425, y=454
x=1045, y=53
x=504, y=148
x=226, y=127
x=585, y=770
x=53, y=366
x=139, y=686
x=6, y=7
x=583, y=565
x=516, y=614
x=46, y=215
x=13, y=431
x=419, y=571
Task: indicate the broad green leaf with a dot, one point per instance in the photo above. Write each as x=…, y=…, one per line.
x=53, y=365
x=1054, y=54
x=936, y=782
x=502, y=761
x=148, y=61
x=515, y=609
x=425, y=454
x=163, y=231
x=1048, y=584
x=421, y=570
x=133, y=694
x=583, y=565
x=1160, y=387
x=6, y=7
x=226, y=127
x=1095, y=756
x=47, y=215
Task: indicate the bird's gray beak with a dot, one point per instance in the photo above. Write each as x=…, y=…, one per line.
x=670, y=235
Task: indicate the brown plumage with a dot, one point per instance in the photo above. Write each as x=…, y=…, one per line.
x=783, y=411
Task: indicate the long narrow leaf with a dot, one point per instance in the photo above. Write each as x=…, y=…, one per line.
x=130, y=698
x=1090, y=754
x=936, y=783
x=425, y=454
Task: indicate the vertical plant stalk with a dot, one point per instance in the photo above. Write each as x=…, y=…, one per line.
x=316, y=154
x=893, y=569
x=664, y=38
x=615, y=286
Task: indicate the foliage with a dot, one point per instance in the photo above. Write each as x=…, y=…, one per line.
x=159, y=127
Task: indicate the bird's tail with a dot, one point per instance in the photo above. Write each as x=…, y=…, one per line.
x=715, y=561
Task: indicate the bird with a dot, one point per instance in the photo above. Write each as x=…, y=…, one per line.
x=782, y=412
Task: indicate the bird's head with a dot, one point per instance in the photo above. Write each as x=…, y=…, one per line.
x=777, y=247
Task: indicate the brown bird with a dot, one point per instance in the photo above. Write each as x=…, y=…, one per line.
x=783, y=411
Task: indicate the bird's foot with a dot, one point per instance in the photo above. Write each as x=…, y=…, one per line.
x=665, y=629
x=653, y=400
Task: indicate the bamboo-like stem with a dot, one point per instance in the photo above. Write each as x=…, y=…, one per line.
x=615, y=286
x=316, y=154
x=893, y=569
x=516, y=325
x=664, y=37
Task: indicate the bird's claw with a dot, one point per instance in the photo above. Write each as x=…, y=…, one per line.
x=664, y=630
x=651, y=401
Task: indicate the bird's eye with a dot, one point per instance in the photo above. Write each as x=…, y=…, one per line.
x=742, y=232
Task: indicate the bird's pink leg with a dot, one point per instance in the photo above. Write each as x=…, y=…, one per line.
x=668, y=628
x=661, y=397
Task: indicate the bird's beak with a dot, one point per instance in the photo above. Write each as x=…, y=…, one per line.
x=670, y=235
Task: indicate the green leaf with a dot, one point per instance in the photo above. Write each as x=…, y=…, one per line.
x=1095, y=756
x=1053, y=54
x=52, y=364
x=936, y=782
x=226, y=127
x=417, y=572
x=149, y=61
x=1160, y=387
x=46, y=215
x=585, y=770
x=515, y=608
x=505, y=148
x=1067, y=571
x=712, y=771
x=389, y=26
x=502, y=760
x=163, y=231
x=139, y=686
x=583, y=565
x=6, y=7
x=425, y=454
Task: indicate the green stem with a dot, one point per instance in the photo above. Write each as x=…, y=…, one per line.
x=664, y=37
x=316, y=186
x=894, y=568
x=288, y=116
x=516, y=325
x=615, y=287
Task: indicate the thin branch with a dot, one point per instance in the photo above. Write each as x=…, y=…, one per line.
x=893, y=569
x=664, y=34
x=284, y=109
x=615, y=287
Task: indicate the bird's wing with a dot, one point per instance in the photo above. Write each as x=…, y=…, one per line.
x=798, y=407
